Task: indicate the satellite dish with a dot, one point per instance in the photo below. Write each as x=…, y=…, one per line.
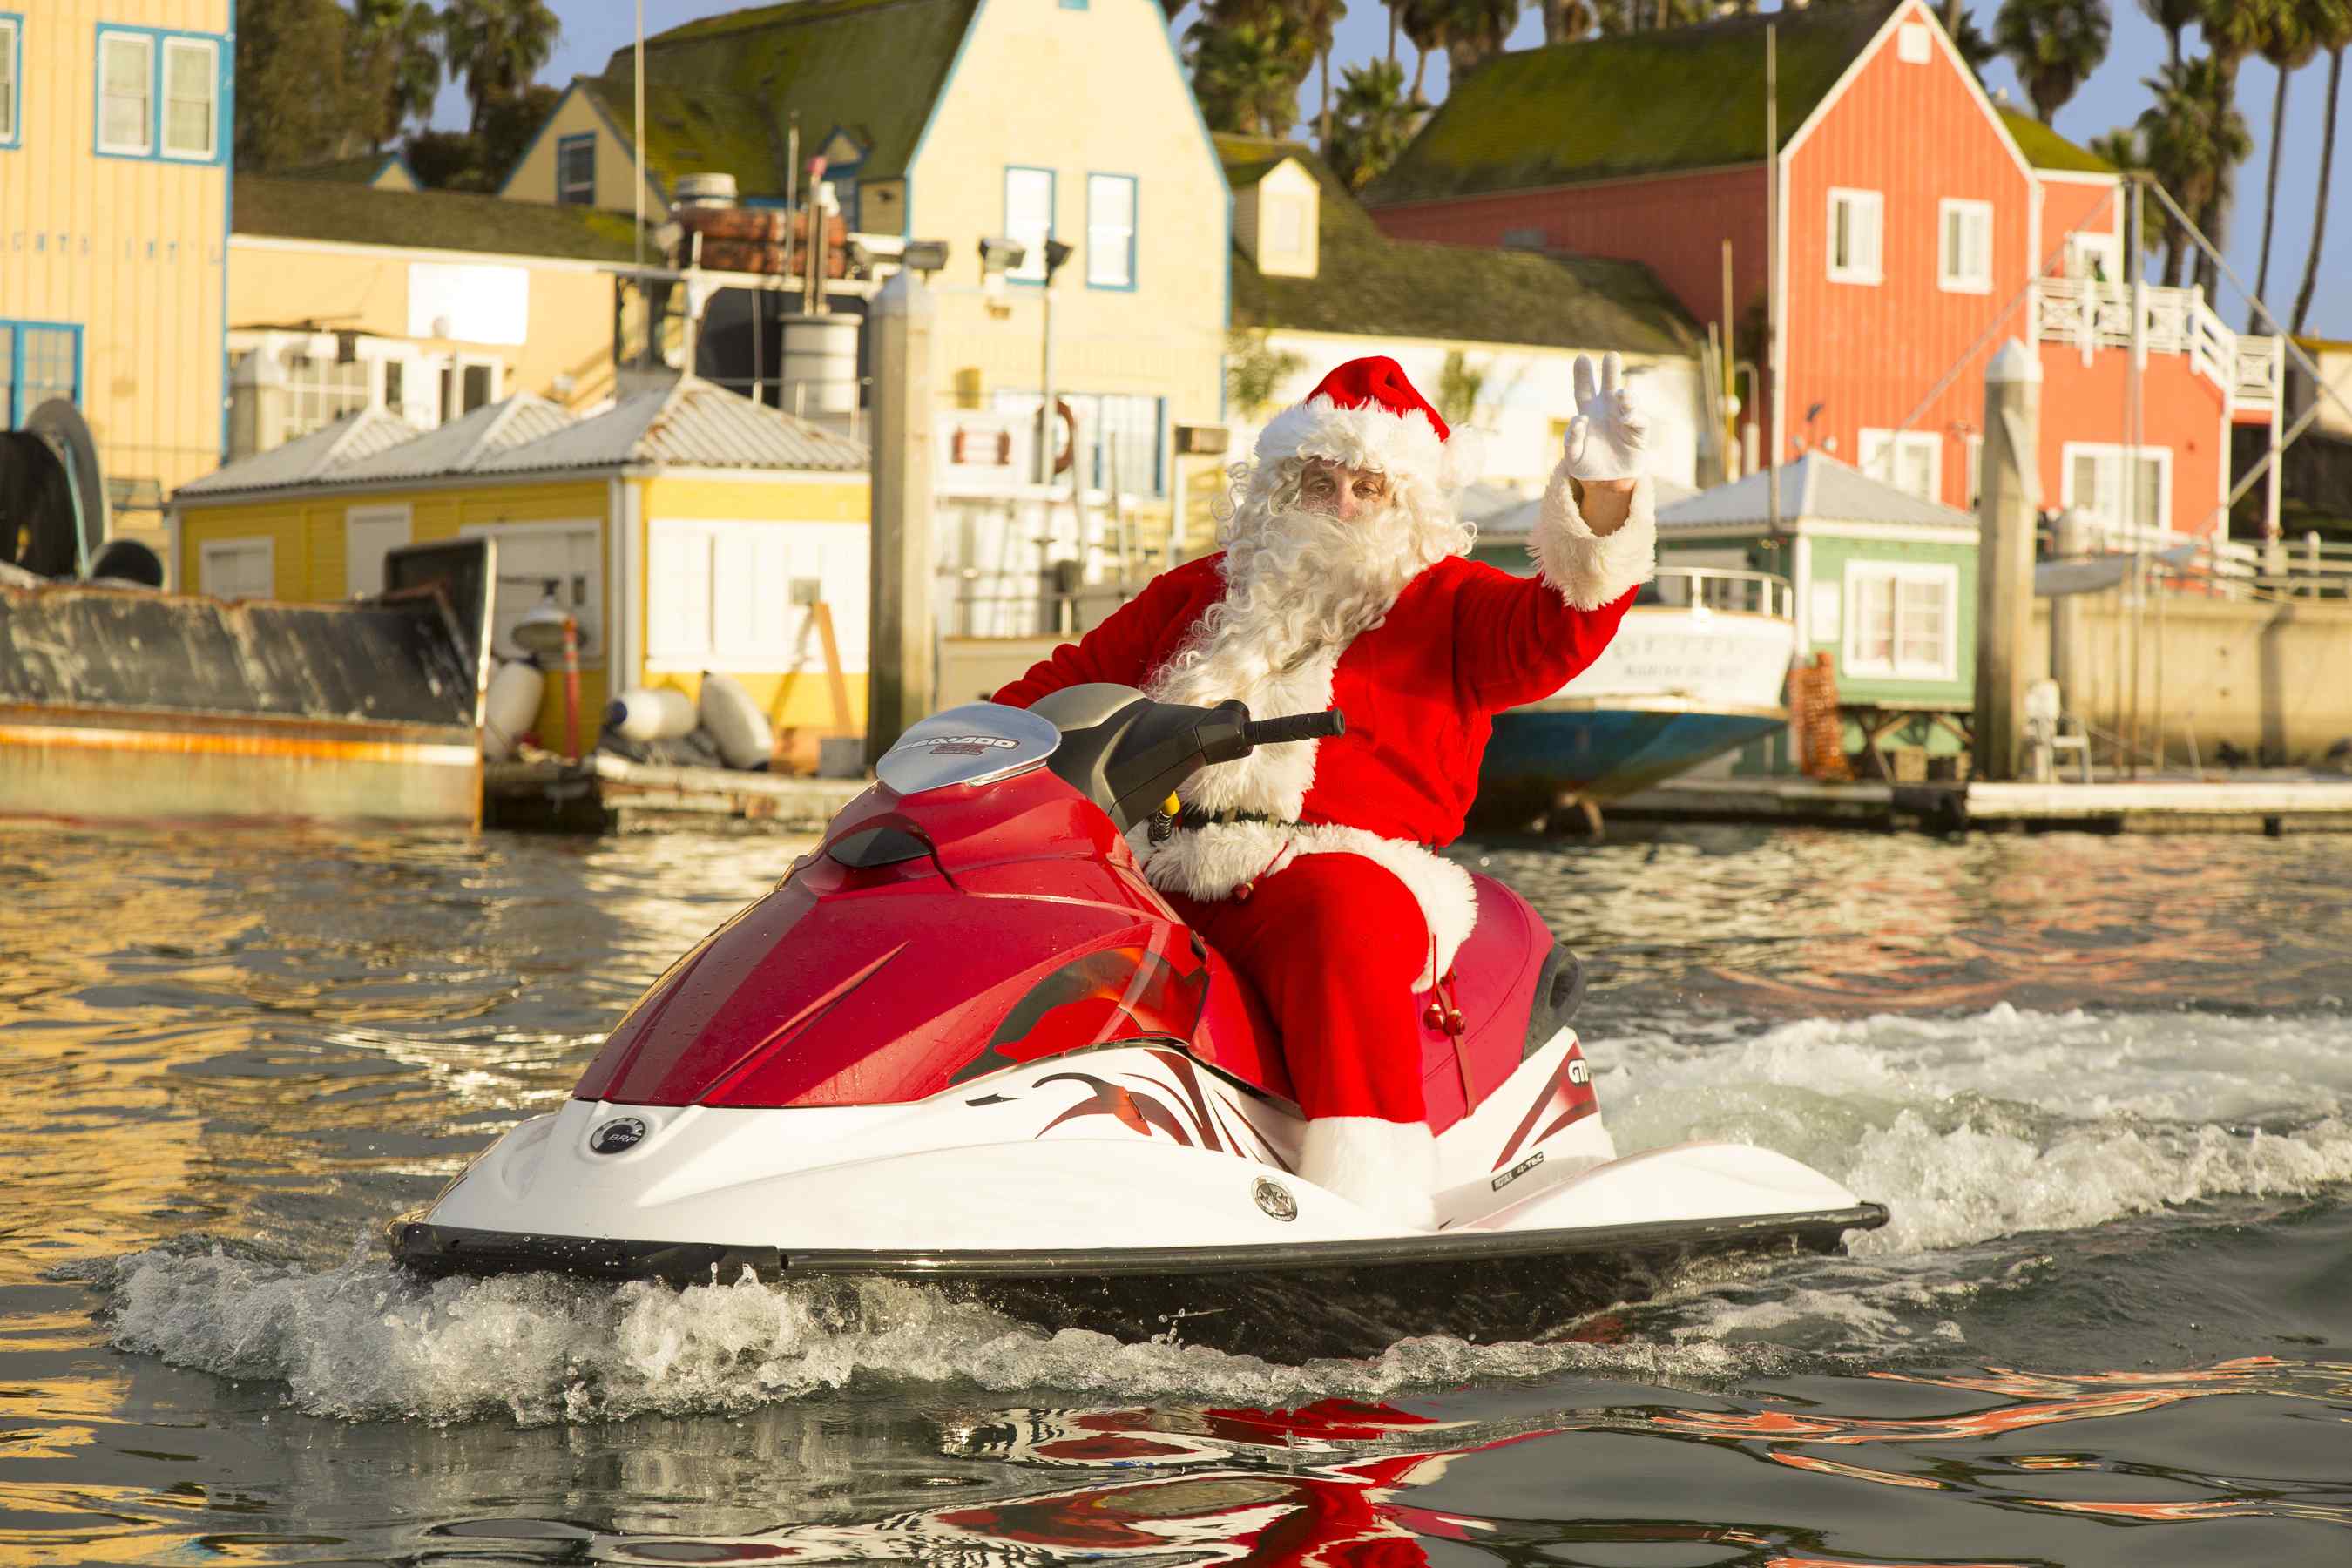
x=61, y=425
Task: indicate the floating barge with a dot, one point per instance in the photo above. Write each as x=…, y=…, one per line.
x=123, y=702
x=2270, y=806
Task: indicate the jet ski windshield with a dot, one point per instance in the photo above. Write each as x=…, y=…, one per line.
x=978, y=743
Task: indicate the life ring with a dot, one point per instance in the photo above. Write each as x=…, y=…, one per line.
x=1069, y=449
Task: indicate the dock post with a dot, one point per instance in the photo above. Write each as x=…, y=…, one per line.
x=2011, y=499
x=2068, y=667
x=901, y=661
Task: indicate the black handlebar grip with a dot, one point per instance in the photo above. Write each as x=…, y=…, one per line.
x=1326, y=725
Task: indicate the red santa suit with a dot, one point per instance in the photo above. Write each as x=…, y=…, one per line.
x=1313, y=866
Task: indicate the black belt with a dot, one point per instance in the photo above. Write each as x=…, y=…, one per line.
x=1192, y=818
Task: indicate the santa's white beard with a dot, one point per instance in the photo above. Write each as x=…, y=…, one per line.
x=1298, y=583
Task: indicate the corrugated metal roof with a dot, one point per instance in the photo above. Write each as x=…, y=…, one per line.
x=692, y=424
x=1816, y=487
x=464, y=445
x=309, y=459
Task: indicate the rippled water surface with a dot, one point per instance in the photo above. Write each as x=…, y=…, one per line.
x=2104, y=1084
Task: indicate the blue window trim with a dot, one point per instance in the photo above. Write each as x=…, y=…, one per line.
x=16, y=134
x=1074, y=5
x=1134, y=229
x=11, y=416
x=1053, y=214
x=564, y=144
x=224, y=63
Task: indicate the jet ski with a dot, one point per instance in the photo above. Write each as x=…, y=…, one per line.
x=964, y=1043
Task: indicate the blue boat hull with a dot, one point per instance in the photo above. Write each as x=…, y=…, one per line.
x=1544, y=752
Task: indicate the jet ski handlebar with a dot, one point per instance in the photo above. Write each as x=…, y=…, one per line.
x=1327, y=725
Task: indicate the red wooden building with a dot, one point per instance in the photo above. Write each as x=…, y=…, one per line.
x=1921, y=225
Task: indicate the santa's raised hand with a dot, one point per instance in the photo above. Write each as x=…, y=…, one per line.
x=1605, y=439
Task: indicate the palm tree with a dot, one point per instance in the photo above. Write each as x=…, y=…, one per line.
x=1475, y=32
x=2175, y=17
x=1245, y=74
x=1425, y=24
x=2332, y=31
x=2293, y=40
x=1565, y=21
x=2232, y=29
x=1973, y=48
x=1316, y=19
x=497, y=45
x=396, y=54
x=2194, y=139
x=1377, y=117
x=2053, y=44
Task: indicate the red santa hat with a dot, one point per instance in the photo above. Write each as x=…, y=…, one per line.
x=1367, y=414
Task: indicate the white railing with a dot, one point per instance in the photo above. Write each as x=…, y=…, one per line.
x=1724, y=588
x=2093, y=315
x=2307, y=568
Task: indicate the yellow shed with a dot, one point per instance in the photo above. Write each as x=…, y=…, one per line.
x=688, y=528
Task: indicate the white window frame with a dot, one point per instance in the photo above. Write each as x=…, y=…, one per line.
x=144, y=147
x=12, y=76
x=2083, y=244
x=518, y=587
x=1115, y=245
x=1912, y=46
x=1945, y=575
x=358, y=517
x=210, y=550
x=1952, y=281
x=1871, y=441
x=1975, y=444
x=210, y=49
x=2111, y=455
x=1026, y=232
x=1857, y=270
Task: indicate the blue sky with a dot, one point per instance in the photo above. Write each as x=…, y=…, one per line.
x=2113, y=97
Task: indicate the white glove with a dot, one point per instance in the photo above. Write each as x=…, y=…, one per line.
x=1605, y=438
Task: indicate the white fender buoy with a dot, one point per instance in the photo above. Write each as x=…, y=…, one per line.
x=735, y=722
x=649, y=713
x=511, y=707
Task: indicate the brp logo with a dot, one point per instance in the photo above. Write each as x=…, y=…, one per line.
x=623, y=1133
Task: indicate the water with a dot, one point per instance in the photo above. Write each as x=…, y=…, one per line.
x=2104, y=1084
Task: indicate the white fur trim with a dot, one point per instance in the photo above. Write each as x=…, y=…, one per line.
x=1367, y=437
x=1388, y=1168
x=1210, y=862
x=1589, y=569
x=1272, y=778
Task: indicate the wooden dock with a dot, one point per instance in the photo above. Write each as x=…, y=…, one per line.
x=2271, y=804
x=605, y=794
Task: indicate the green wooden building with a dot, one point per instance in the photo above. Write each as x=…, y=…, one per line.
x=1885, y=584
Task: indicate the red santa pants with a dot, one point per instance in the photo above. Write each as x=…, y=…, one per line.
x=1334, y=943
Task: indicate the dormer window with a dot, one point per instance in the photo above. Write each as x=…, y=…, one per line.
x=1276, y=220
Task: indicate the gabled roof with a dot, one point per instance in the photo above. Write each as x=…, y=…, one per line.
x=1369, y=285
x=720, y=92
x=464, y=445
x=690, y=423
x=2045, y=149
x=311, y=458
x=1639, y=103
x=285, y=208
x=1816, y=487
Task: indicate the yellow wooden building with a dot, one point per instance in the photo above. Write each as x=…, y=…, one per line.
x=956, y=121
x=114, y=200
x=687, y=529
x=351, y=294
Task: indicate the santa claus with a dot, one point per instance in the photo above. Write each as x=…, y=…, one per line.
x=1313, y=867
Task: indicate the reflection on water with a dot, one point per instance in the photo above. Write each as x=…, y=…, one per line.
x=2103, y=1083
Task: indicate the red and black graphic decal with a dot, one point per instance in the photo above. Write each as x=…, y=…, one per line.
x=1567, y=1099
x=1137, y=1113
x=1110, y=994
